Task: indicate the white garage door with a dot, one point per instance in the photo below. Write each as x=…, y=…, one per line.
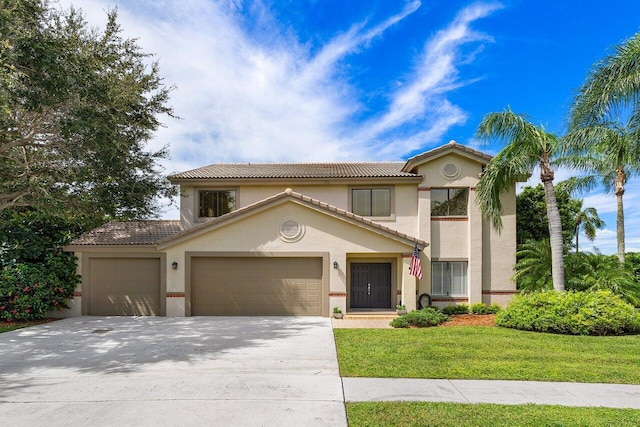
x=125, y=287
x=267, y=286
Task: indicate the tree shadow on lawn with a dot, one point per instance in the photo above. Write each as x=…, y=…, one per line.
x=110, y=345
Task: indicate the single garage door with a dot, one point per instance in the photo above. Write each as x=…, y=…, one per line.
x=266, y=286
x=125, y=287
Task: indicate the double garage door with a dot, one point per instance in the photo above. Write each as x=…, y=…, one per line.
x=268, y=286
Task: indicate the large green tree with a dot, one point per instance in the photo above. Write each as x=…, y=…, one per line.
x=605, y=122
x=531, y=214
x=527, y=146
x=78, y=107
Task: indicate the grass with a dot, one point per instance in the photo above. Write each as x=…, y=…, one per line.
x=457, y=414
x=468, y=352
x=6, y=327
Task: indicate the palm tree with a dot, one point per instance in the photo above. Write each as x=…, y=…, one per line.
x=588, y=220
x=528, y=146
x=611, y=151
x=609, y=97
x=602, y=272
x=533, y=269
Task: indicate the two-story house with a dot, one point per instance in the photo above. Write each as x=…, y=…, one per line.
x=299, y=239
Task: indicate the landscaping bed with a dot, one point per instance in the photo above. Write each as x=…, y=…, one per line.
x=471, y=320
x=11, y=326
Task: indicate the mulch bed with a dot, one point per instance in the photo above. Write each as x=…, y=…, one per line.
x=471, y=320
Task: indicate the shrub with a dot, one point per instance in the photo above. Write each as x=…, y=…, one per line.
x=428, y=316
x=456, y=309
x=572, y=313
x=399, y=322
x=495, y=308
x=30, y=292
x=482, y=308
x=35, y=275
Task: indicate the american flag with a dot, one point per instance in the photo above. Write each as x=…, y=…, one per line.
x=415, y=269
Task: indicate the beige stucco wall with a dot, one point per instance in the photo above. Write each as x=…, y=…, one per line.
x=467, y=176
x=259, y=234
x=499, y=254
x=490, y=255
x=403, y=219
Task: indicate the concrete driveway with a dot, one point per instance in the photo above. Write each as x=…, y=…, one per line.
x=248, y=371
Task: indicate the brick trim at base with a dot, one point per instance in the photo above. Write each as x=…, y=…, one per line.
x=175, y=294
x=499, y=292
x=450, y=299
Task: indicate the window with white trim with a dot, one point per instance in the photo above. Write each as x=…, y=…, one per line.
x=371, y=201
x=214, y=203
x=449, y=278
x=449, y=201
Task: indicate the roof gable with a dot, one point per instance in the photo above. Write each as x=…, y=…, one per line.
x=289, y=196
x=451, y=147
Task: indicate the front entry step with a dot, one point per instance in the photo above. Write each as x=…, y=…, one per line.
x=362, y=315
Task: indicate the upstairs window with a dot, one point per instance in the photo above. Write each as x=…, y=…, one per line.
x=449, y=201
x=449, y=278
x=371, y=201
x=215, y=203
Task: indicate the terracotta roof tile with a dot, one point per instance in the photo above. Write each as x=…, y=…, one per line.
x=129, y=233
x=296, y=171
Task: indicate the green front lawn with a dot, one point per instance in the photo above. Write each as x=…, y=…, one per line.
x=468, y=352
x=458, y=414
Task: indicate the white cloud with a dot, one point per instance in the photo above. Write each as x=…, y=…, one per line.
x=423, y=97
x=261, y=95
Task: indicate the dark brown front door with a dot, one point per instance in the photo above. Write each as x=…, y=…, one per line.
x=371, y=285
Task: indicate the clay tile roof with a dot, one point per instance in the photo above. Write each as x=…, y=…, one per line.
x=296, y=171
x=129, y=233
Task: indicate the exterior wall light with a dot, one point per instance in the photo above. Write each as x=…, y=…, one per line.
x=174, y=265
x=335, y=264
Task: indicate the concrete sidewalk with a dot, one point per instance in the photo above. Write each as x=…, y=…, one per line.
x=500, y=392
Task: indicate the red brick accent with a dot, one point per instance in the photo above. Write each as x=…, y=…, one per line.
x=472, y=188
x=499, y=292
x=399, y=292
x=450, y=299
x=424, y=188
x=175, y=294
x=77, y=294
x=448, y=218
x=337, y=294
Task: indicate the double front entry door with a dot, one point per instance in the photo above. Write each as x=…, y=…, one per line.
x=371, y=285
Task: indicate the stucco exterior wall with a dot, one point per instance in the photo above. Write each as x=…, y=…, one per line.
x=450, y=239
x=468, y=172
x=259, y=234
x=490, y=255
x=499, y=254
x=404, y=211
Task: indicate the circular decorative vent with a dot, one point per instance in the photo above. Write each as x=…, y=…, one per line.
x=291, y=230
x=450, y=170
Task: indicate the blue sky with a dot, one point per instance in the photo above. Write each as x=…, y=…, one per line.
x=338, y=80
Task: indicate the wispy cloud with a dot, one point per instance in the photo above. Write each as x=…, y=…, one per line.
x=423, y=97
x=244, y=96
x=259, y=92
